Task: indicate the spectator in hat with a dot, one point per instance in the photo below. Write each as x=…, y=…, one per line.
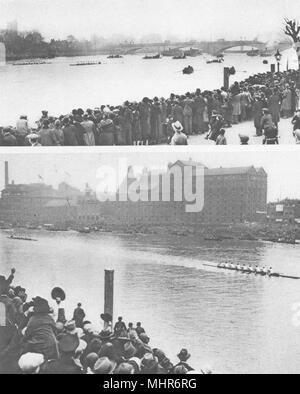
x=79, y=316
x=104, y=366
x=132, y=334
x=10, y=340
x=47, y=136
x=125, y=369
x=139, y=329
x=120, y=328
x=67, y=364
x=179, y=137
x=8, y=139
x=221, y=139
x=30, y=363
x=40, y=332
x=184, y=356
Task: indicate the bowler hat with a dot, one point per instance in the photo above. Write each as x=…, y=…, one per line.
x=104, y=366
x=68, y=343
x=183, y=355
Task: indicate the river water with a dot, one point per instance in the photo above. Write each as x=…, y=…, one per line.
x=231, y=322
x=59, y=88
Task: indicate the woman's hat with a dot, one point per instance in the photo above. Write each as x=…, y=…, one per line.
x=177, y=126
x=57, y=292
x=106, y=317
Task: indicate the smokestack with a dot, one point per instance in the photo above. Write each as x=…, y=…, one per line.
x=6, y=175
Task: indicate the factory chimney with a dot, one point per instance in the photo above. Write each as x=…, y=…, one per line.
x=6, y=174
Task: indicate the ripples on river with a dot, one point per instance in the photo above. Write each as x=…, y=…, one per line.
x=59, y=88
x=229, y=321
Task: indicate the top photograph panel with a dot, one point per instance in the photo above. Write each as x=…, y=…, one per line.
x=141, y=72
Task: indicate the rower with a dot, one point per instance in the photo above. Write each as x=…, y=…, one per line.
x=264, y=270
x=252, y=269
x=258, y=270
x=270, y=271
x=227, y=265
x=238, y=267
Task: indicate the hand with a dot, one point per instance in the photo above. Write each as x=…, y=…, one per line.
x=13, y=271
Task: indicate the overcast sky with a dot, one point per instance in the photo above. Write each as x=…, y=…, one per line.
x=78, y=169
x=182, y=18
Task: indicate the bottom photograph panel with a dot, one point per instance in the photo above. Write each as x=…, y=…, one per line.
x=150, y=263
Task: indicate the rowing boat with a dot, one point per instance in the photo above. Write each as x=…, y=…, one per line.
x=274, y=275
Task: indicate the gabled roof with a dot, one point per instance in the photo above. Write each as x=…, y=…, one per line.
x=188, y=163
x=231, y=171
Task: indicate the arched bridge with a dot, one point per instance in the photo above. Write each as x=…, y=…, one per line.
x=211, y=47
x=217, y=47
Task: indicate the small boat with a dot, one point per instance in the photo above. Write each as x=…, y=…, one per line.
x=115, y=57
x=179, y=57
x=84, y=230
x=218, y=60
x=85, y=64
x=154, y=57
x=266, y=53
x=30, y=63
x=253, y=53
x=15, y=237
x=273, y=275
x=188, y=70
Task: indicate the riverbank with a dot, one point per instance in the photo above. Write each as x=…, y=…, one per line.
x=281, y=233
x=272, y=232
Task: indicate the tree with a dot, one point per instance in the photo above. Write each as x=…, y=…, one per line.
x=292, y=30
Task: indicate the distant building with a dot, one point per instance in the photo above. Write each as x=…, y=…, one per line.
x=37, y=203
x=231, y=195
x=284, y=211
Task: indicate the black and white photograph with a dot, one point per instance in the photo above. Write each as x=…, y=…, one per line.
x=149, y=72
x=213, y=289
x=149, y=189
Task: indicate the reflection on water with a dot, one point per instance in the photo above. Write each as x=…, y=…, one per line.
x=233, y=322
x=60, y=88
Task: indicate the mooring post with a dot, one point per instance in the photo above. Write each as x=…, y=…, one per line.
x=109, y=294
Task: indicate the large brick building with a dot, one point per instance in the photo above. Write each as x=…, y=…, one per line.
x=37, y=203
x=231, y=195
